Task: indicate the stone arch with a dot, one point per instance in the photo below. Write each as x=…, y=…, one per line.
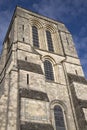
x=48, y=69
x=52, y=61
x=47, y=57
x=50, y=32
x=36, y=39
x=60, y=103
x=64, y=110
x=36, y=22
x=50, y=28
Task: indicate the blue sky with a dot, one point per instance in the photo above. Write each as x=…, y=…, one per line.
x=73, y=13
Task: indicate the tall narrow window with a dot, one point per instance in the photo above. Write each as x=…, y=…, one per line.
x=59, y=119
x=26, y=58
x=23, y=27
x=35, y=36
x=27, y=78
x=23, y=39
x=49, y=41
x=48, y=70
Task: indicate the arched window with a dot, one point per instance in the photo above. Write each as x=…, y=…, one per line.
x=59, y=119
x=48, y=70
x=35, y=36
x=49, y=41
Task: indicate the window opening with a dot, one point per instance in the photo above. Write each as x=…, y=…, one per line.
x=49, y=41
x=35, y=36
x=27, y=78
x=23, y=27
x=23, y=39
x=59, y=118
x=48, y=70
x=26, y=58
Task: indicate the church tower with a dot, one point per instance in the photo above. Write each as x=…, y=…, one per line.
x=42, y=84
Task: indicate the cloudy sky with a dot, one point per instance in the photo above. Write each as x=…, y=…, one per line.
x=73, y=13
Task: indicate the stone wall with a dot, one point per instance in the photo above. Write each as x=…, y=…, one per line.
x=30, y=104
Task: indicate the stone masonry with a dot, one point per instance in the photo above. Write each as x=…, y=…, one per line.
x=27, y=99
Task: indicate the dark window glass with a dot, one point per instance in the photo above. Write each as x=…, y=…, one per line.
x=49, y=41
x=23, y=27
x=48, y=70
x=35, y=36
x=26, y=58
x=23, y=39
x=59, y=119
x=27, y=78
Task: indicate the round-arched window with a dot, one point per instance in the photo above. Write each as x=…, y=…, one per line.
x=48, y=70
x=59, y=118
x=35, y=36
x=49, y=41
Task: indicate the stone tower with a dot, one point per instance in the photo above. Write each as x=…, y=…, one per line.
x=42, y=84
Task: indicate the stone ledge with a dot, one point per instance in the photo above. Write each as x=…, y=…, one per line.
x=82, y=103
x=33, y=94
x=76, y=78
x=35, y=126
x=24, y=65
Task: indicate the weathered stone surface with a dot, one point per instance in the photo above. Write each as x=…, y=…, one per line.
x=24, y=65
x=77, y=78
x=34, y=110
x=82, y=103
x=78, y=87
x=74, y=69
x=27, y=98
x=33, y=94
x=35, y=126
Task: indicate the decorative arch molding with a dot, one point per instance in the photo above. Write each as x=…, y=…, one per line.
x=36, y=22
x=64, y=110
x=50, y=28
x=60, y=103
x=49, y=58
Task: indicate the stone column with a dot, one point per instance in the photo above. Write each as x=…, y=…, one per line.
x=3, y=102
x=13, y=101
